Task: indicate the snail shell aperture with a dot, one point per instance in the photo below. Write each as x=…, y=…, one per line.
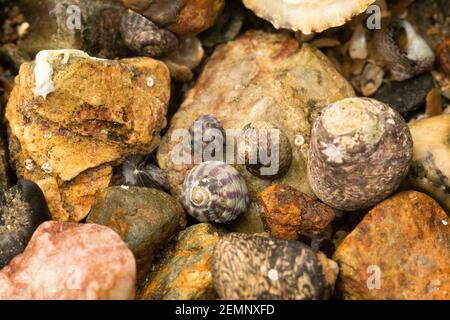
x=214, y=192
x=360, y=151
x=261, y=139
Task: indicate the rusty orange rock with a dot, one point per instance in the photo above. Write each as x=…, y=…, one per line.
x=401, y=250
x=285, y=212
x=443, y=55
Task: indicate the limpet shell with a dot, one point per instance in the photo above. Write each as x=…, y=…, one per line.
x=307, y=16
x=214, y=192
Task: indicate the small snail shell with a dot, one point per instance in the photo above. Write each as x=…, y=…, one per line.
x=214, y=192
x=405, y=56
x=259, y=139
x=144, y=37
x=360, y=151
x=203, y=131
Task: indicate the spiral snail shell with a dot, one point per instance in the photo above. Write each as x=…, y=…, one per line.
x=265, y=150
x=214, y=192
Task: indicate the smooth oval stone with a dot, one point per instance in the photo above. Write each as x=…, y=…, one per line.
x=71, y=261
x=22, y=209
x=144, y=218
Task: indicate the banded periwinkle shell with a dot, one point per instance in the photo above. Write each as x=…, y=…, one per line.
x=255, y=267
x=215, y=192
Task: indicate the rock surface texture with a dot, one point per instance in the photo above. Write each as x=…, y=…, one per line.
x=259, y=77
x=72, y=117
x=401, y=250
x=71, y=261
x=185, y=271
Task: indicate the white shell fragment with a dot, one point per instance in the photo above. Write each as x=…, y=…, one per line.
x=307, y=15
x=43, y=70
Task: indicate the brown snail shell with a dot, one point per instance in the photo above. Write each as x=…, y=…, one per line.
x=404, y=50
x=144, y=37
x=360, y=151
x=253, y=267
x=214, y=192
x=261, y=138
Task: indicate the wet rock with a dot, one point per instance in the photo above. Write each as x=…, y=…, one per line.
x=72, y=117
x=258, y=77
x=144, y=218
x=287, y=212
x=430, y=169
x=71, y=261
x=89, y=25
x=406, y=96
x=404, y=240
x=185, y=270
x=22, y=209
x=253, y=267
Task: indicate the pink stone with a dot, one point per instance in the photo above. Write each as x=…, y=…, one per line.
x=71, y=261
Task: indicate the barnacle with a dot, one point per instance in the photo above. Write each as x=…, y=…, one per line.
x=307, y=15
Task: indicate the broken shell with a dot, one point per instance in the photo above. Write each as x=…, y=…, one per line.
x=360, y=152
x=214, y=192
x=443, y=54
x=144, y=37
x=358, y=44
x=406, y=53
x=265, y=150
x=253, y=267
x=136, y=172
x=430, y=169
x=204, y=131
x=307, y=15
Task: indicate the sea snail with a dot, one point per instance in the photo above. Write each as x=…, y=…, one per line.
x=208, y=137
x=214, y=192
x=307, y=16
x=254, y=267
x=404, y=50
x=360, y=151
x=265, y=150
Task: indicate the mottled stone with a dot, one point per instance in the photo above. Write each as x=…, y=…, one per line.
x=430, y=169
x=144, y=218
x=287, y=212
x=184, y=272
x=259, y=77
x=4, y=168
x=22, y=209
x=69, y=261
x=67, y=132
x=254, y=267
x=89, y=25
x=405, y=240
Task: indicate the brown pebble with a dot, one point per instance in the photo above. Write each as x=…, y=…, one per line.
x=286, y=212
x=443, y=55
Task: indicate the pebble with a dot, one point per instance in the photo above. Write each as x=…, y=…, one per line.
x=70, y=261
x=400, y=250
x=255, y=267
x=408, y=96
x=88, y=123
x=184, y=272
x=22, y=209
x=144, y=218
x=286, y=212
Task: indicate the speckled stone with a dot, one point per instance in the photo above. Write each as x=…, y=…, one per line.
x=70, y=261
x=144, y=218
x=259, y=77
x=185, y=270
x=254, y=267
x=406, y=241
